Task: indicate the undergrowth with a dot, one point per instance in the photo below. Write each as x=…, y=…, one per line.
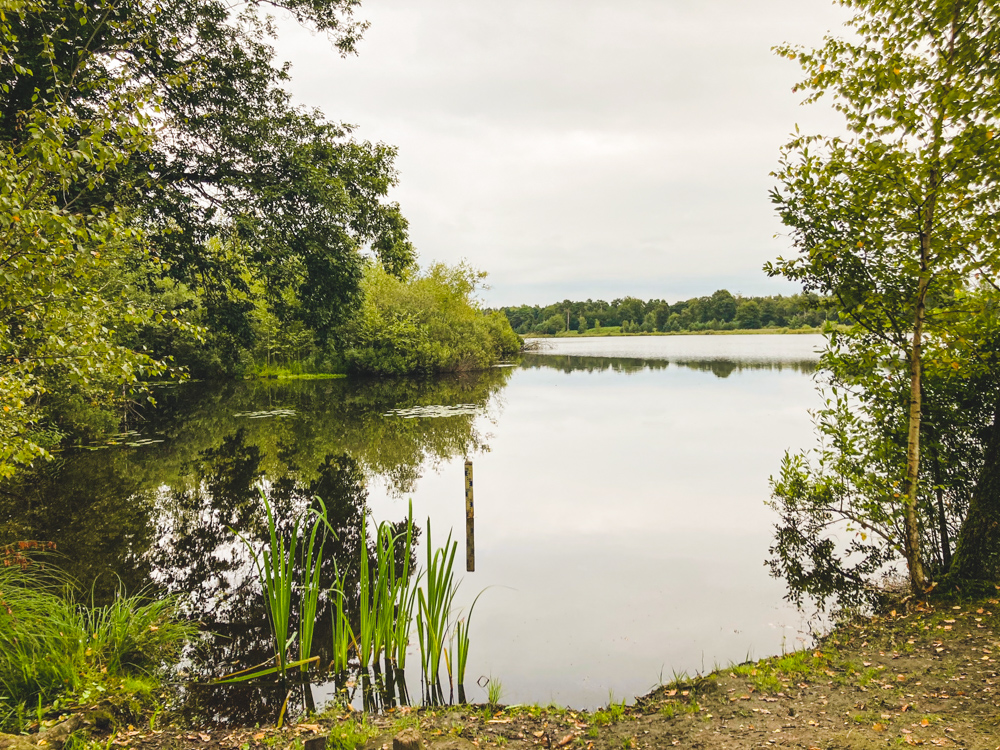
x=55, y=651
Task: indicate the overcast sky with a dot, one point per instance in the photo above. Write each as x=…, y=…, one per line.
x=579, y=148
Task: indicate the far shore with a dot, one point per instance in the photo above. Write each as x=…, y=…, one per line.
x=616, y=331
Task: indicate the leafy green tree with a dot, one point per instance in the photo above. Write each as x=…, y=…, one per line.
x=722, y=306
x=896, y=215
x=63, y=297
x=232, y=157
x=748, y=314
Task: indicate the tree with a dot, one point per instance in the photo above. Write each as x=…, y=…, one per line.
x=895, y=216
x=748, y=314
x=61, y=299
x=722, y=306
x=232, y=159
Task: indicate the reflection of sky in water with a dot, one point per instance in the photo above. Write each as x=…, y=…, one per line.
x=621, y=520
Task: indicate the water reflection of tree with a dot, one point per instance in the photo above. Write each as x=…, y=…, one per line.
x=197, y=554
x=721, y=368
x=103, y=507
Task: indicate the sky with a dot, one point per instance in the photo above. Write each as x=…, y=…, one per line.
x=579, y=149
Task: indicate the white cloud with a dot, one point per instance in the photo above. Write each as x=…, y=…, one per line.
x=575, y=147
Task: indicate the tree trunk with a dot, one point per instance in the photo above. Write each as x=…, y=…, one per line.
x=910, y=523
x=977, y=552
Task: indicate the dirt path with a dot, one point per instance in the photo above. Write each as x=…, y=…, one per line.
x=925, y=677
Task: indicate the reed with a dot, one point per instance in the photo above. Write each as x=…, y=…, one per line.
x=435, y=599
x=275, y=566
x=276, y=571
x=312, y=559
x=462, y=640
x=387, y=597
x=343, y=634
x=367, y=603
x=405, y=596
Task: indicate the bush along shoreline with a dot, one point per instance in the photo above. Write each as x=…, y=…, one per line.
x=424, y=323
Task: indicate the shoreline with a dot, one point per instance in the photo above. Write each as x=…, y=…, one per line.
x=922, y=676
x=613, y=331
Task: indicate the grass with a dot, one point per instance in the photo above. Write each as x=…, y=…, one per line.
x=494, y=692
x=350, y=735
x=292, y=372
x=54, y=649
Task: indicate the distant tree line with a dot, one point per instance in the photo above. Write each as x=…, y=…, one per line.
x=720, y=311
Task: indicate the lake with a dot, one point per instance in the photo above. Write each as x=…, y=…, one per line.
x=620, y=520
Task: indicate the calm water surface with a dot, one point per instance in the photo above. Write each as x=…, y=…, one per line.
x=620, y=484
x=620, y=511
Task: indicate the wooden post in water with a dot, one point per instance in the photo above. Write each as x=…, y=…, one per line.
x=470, y=521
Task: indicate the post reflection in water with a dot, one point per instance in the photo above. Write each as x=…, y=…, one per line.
x=470, y=521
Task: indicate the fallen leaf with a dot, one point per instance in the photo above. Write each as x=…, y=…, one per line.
x=925, y=722
x=565, y=740
x=878, y=727
x=538, y=734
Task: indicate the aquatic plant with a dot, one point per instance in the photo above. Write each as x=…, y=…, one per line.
x=462, y=639
x=387, y=597
x=311, y=566
x=435, y=600
x=275, y=566
x=343, y=634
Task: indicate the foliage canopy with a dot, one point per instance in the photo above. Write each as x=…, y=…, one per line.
x=896, y=220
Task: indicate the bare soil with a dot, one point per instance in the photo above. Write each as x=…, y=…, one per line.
x=926, y=675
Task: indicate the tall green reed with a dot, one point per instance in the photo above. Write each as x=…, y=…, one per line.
x=462, y=640
x=343, y=634
x=312, y=559
x=276, y=569
x=435, y=603
x=386, y=596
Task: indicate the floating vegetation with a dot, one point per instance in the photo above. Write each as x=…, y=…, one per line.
x=267, y=414
x=434, y=411
x=130, y=439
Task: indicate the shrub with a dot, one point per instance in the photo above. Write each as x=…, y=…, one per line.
x=425, y=323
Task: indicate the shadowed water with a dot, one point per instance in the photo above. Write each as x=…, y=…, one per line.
x=620, y=518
